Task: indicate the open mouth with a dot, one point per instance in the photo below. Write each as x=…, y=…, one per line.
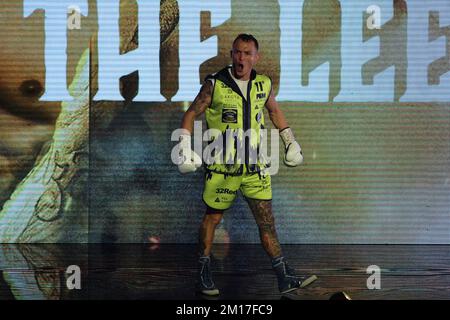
x=240, y=67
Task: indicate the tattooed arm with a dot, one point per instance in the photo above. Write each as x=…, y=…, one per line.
x=201, y=102
x=275, y=113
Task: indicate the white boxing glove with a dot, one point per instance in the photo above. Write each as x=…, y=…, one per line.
x=189, y=160
x=293, y=152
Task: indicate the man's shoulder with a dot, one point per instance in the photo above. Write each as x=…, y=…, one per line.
x=263, y=75
x=219, y=75
x=222, y=72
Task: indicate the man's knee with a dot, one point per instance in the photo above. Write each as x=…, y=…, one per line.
x=213, y=216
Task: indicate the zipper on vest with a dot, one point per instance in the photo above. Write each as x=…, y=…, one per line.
x=247, y=123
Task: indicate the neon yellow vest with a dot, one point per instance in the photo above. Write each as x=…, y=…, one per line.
x=230, y=110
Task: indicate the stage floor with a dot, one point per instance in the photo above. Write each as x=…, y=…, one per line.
x=242, y=272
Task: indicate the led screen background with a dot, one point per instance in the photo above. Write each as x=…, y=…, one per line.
x=370, y=108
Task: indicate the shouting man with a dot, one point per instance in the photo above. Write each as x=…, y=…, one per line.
x=234, y=99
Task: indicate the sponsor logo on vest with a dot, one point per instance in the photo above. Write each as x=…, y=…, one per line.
x=259, y=86
x=217, y=200
x=260, y=96
x=229, y=116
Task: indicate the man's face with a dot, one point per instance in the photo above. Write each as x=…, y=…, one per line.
x=244, y=56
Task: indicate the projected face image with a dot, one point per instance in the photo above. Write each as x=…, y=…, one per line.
x=22, y=80
x=25, y=122
x=28, y=151
x=20, y=142
x=22, y=65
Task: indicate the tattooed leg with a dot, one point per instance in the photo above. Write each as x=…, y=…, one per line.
x=206, y=233
x=262, y=211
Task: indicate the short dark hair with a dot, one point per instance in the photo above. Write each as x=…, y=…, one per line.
x=247, y=38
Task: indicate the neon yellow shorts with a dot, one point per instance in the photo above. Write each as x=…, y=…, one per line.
x=221, y=190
